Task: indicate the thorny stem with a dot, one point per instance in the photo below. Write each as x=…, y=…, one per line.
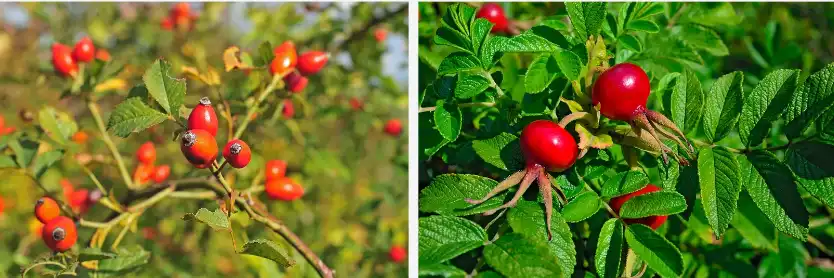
x=112, y=147
x=470, y=104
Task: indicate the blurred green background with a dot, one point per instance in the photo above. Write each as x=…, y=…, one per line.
x=354, y=175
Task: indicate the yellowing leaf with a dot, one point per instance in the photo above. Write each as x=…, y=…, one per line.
x=230, y=60
x=588, y=139
x=115, y=84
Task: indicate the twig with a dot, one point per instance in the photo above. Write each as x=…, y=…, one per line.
x=362, y=30
x=112, y=147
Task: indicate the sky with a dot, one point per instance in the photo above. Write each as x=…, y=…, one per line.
x=392, y=59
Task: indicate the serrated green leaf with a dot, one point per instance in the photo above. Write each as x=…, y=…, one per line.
x=660, y=254
x=624, y=183
x=701, y=37
x=542, y=71
x=723, y=105
x=163, y=87
x=440, y=270
x=216, y=219
x=687, y=101
x=133, y=115
x=771, y=185
x=93, y=254
x=447, y=195
x=515, y=256
x=643, y=25
x=442, y=238
x=265, y=54
x=582, y=207
x=810, y=101
x=753, y=224
x=811, y=163
x=586, y=17
x=267, y=249
x=24, y=151
x=609, y=249
x=453, y=38
x=430, y=140
x=127, y=260
x=45, y=160
x=630, y=42
x=764, y=104
x=654, y=203
x=527, y=219
x=570, y=64
x=447, y=118
x=480, y=31
x=470, y=85
x=718, y=174
x=720, y=14
x=458, y=61
x=58, y=125
x=537, y=39
x=502, y=151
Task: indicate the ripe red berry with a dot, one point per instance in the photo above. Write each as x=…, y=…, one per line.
x=103, y=55
x=146, y=154
x=203, y=117
x=7, y=130
x=143, y=173
x=296, y=82
x=311, y=62
x=161, y=173
x=80, y=137
x=285, y=59
x=397, y=254
x=59, y=234
x=288, y=110
x=84, y=50
x=80, y=201
x=275, y=169
x=547, y=144
x=199, y=147
x=2, y=205
x=495, y=14
x=237, y=153
x=46, y=209
x=622, y=91
x=180, y=10
x=67, y=188
x=284, y=189
x=380, y=34
x=393, y=127
x=167, y=23
x=652, y=221
x=62, y=60
x=356, y=104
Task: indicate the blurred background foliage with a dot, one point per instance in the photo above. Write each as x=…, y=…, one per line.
x=354, y=175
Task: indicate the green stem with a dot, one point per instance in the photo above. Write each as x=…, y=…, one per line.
x=112, y=147
x=252, y=109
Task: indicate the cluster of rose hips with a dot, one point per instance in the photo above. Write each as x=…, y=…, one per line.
x=295, y=68
x=65, y=60
x=278, y=186
x=5, y=130
x=199, y=145
x=146, y=170
x=59, y=232
x=80, y=200
x=180, y=15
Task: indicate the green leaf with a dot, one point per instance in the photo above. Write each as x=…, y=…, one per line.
x=93, y=254
x=654, y=203
x=586, y=17
x=687, y=101
x=458, y=61
x=470, y=85
x=44, y=160
x=502, y=151
x=453, y=38
x=265, y=54
x=643, y=25
x=701, y=37
x=764, y=104
x=440, y=270
x=447, y=195
x=442, y=238
x=58, y=125
x=630, y=42
x=542, y=71
x=753, y=224
x=527, y=218
x=771, y=185
x=718, y=174
x=720, y=14
x=447, y=117
x=216, y=219
x=811, y=163
x=582, y=207
x=624, y=183
x=24, y=150
x=570, y=64
x=660, y=254
x=810, y=101
x=480, y=31
x=127, y=260
x=609, y=249
x=516, y=256
x=267, y=249
x=537, y=39
x=723, y=105
x=133, y=115
x=164, y=88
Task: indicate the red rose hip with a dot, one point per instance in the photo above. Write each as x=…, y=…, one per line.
x=59, y=234
x=275, y=169
x=237, y=153
x=203, y=117
x=288, y=110
x=161, y=173
x=146, y=154
x=549, y=145
x=46, y=209
x=622, y=91
x=397, y=254
x=393, y=127
x=296, y=82
x=652, y=221
x=311, y=62
x=284, y=189
x=495, y=14
x=62, y=60
x=199, y=147
x=84, y=50
x=285, y=59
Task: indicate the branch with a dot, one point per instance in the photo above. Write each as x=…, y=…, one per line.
x=361, y=31
x=112, y=147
